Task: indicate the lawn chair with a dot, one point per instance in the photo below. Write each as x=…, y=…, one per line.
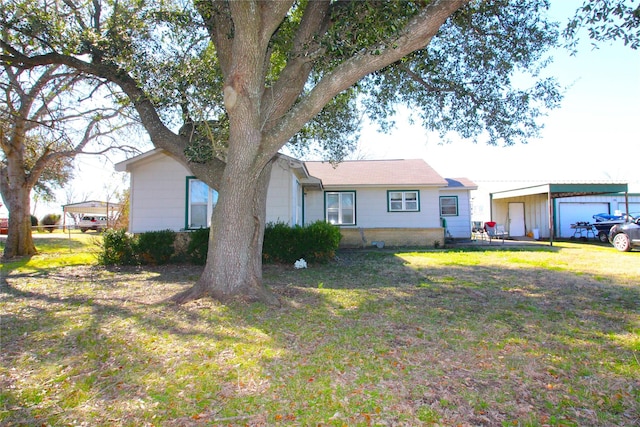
x=495, y=231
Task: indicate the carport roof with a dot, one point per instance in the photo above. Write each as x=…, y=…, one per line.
x=564, y=190
x=91, y=207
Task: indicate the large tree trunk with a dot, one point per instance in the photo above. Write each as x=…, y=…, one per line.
x=19, y=238
x=234, y=260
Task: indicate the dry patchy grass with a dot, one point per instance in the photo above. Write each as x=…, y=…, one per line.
x=544, y=336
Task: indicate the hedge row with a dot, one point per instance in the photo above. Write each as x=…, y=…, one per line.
x=316, y=242
x=121, y=248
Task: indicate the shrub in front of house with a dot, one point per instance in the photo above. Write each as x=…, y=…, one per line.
x=317, y=242
x=321, y=241
x=280, y=243
x=155, y=247
x=121, y=248
x=117, y=248
x=198, y=246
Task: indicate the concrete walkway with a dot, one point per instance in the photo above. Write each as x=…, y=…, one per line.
x=511, y=241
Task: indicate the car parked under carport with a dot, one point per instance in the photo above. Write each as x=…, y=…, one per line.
x=625, y=236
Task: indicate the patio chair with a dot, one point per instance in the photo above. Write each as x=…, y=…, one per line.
x=495, y=231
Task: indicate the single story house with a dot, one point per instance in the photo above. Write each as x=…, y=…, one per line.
x=552, y=209
x=392, y=202
x=400, y=202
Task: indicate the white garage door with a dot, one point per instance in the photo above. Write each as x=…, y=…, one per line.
x=571, y=212
x=633, y=207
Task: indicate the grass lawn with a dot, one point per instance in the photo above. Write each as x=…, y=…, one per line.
x=496, y=336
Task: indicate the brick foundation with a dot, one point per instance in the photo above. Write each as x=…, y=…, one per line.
x=363, y=237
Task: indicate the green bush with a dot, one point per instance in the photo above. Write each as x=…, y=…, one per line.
x=34, y=221
x=321, y=241
x=117, y=248
x=316, y=242
x=280, y=243
x=155, y=247
x=49, y=221
x=198, y=246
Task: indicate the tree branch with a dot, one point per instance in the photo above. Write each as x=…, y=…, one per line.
x=278, y=99
x=159, y=133
x=416, y=35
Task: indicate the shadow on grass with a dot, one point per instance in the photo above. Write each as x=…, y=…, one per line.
x=454, y=335
x=95, y=347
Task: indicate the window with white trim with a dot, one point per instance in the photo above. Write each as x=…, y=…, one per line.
x=403, y=201
x=448, y=205
x=340, y=207
x=201, y=200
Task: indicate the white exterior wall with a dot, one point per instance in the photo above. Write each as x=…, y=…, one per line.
x=570, y=210
x=313, y=206
x=459, y=226
x=158, y=195
x=283, y=195
x=371, y=209
x=614, y=202
x=536, y=211
x=634, y=205
x=158, y=198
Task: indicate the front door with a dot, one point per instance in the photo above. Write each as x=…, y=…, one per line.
x=516, y=219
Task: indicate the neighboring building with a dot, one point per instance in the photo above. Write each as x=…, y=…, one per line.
x=524, y=210
x=105, y=214
x=398, y=202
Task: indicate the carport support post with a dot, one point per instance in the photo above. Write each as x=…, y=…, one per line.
x=626, y=204
x=64, y=226
x=550, y=207
x=490, y=207
x=69, y=240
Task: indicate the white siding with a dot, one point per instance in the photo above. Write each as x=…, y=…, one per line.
x=158, y=195
x=536, y=213
x=634, y=206
x=568, y=210
x=279, y=195
x=573, y=212
x=158, y=200
x=459, y=226
x=372, y=212
x=313, y=206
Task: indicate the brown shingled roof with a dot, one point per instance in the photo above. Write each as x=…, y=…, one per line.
x=376, y=172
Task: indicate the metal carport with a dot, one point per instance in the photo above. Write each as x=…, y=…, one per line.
x=540, y=199
x=108, y=209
